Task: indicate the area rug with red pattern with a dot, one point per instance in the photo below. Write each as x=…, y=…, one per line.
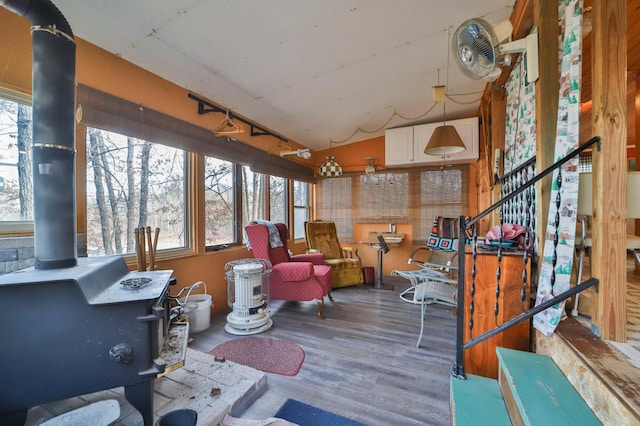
x=261, y=353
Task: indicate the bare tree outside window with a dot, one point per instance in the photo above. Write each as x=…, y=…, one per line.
x=277, y=199
x=16, y=172
x=301, y=207
x=133, y=183
x=252, y=196
x=219, y=210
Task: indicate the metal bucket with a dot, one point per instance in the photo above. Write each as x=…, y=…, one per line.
x=182, y=417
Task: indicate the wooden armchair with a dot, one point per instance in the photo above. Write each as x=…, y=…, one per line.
x=346, y=268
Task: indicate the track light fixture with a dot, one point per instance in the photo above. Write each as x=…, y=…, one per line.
x=304, y=153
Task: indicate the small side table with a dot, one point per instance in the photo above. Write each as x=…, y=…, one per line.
x=381, y=242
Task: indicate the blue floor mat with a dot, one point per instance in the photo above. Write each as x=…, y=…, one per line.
x=307, y=415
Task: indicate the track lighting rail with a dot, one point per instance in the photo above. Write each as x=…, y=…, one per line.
x=205, y=107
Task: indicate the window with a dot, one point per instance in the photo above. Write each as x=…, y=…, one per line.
x=234, y=195
x=253, y=196
x=133, y=183
x=301, y=207
x=384, y=198
x=16, y=181
x=335, y=203
x=219, y=195
x=399, y=197
x=441, y=193
x=278, y=199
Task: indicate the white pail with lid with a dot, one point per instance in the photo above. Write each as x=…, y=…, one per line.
x=198, y=308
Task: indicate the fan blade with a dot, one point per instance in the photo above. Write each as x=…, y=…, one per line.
x=474, y=45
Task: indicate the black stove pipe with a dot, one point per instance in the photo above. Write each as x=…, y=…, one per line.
x=53, y=86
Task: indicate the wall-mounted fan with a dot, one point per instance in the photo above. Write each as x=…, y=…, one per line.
x=478, y=49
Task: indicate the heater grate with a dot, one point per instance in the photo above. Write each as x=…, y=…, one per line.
x=137, y=282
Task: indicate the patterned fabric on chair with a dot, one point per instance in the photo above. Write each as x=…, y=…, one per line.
x=301, y=277
x=344, y=261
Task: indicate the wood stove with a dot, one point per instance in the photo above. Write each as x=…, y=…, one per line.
x=79, y=330
x=69, y=326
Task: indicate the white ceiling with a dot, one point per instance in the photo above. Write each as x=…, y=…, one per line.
x=310, y=70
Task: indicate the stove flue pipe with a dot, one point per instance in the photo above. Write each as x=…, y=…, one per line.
x=53, y=88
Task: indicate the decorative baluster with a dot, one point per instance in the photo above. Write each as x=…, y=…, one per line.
x=524, y=206
x=556, y=225
x=532, y=194
x=496, y=307
x=472, y=304
x=529, y=194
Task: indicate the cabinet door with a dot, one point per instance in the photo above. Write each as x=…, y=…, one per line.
x=398, y=146
x=467, y=129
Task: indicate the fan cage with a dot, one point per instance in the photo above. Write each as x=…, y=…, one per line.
x=475, y=48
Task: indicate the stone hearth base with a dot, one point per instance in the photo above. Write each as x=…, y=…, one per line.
x=187, y=387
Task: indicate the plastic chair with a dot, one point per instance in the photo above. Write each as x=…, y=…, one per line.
x=434, y=280
x=439, y=255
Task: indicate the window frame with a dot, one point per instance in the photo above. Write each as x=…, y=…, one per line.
x=16, y=228
x=107, y=112
x=265, y=193
x=352, y=211
x=236, y=195
x=189, y=187
x=307, y=207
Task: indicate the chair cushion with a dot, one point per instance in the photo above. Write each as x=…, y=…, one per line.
x=347, y=277
x=346, y=263
x=437, y=291
x=322, y=236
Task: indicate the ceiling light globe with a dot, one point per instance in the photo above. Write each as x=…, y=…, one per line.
x=370, y=170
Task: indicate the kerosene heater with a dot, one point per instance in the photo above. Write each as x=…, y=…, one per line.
x=248, y=295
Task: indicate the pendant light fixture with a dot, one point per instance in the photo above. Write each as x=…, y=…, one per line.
x=330, y=168
x=445, y=139
x=371, y=166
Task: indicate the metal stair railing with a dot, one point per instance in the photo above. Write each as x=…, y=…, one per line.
x=461, y=345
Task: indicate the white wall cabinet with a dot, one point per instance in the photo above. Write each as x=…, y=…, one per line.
x=398, y=146
x=404, y=146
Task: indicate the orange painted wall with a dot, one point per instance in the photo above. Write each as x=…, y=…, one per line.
x=351, y=156
x=101, y=70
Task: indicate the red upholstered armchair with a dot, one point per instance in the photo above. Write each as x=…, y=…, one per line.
x=302, y=277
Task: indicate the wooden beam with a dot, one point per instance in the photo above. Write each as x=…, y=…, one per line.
x=609, y=255
x=545, y=18
x=522, y=18
x=498, y=115
x=636, y=142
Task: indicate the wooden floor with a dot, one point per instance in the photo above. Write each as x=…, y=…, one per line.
x=361, y=360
